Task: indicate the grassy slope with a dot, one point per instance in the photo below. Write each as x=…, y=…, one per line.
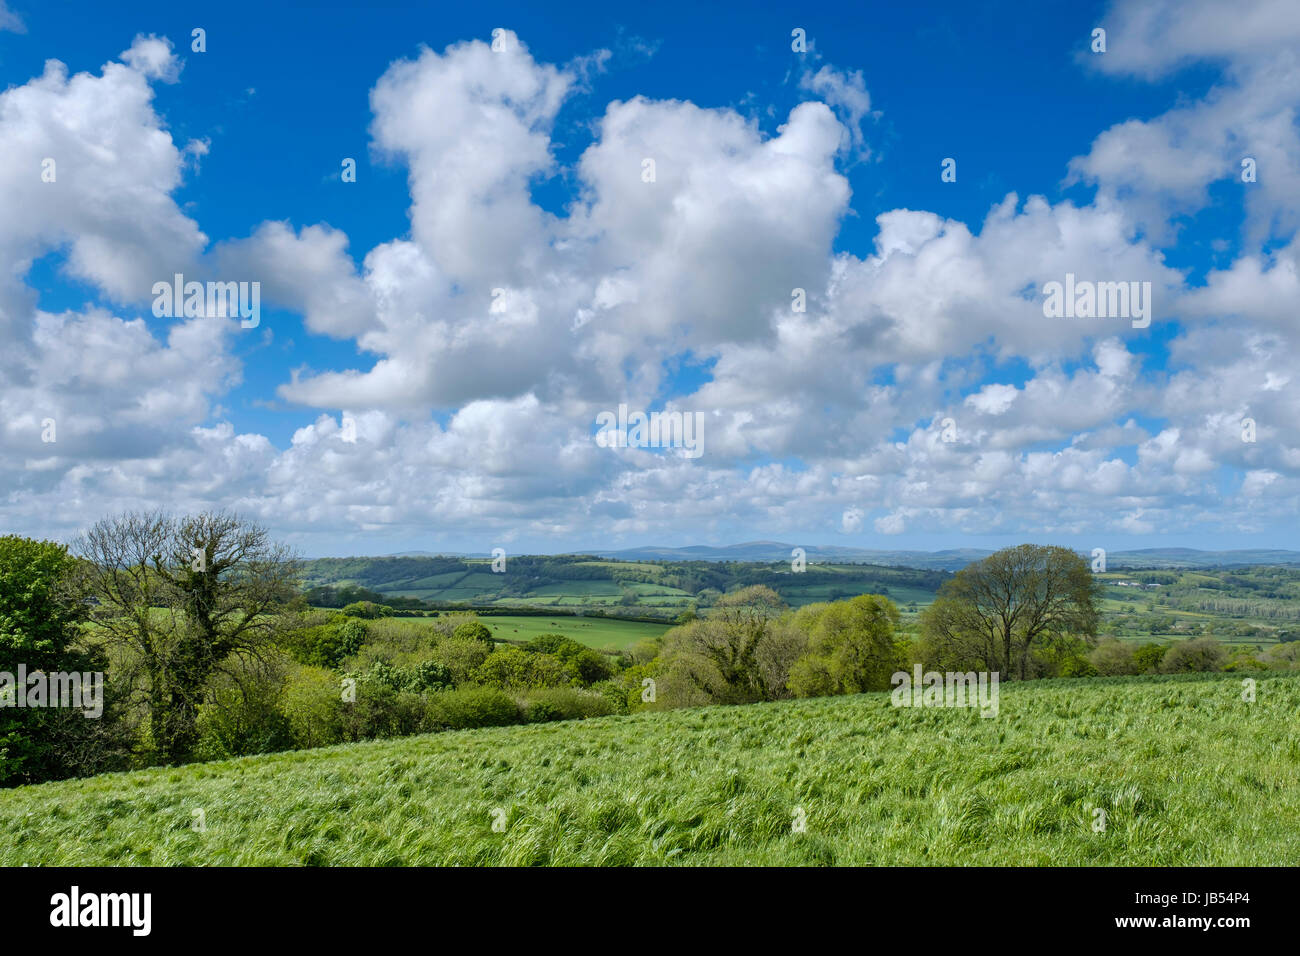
x=1187, y=772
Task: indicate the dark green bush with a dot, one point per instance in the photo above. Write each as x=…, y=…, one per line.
x=564, y=703
x=468, y=707
x=242, y=716
x=473, y=631
x=326, y=644
x=590, y=665
x=368, y=610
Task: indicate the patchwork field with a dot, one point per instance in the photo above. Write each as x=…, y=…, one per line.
x=1184, y=770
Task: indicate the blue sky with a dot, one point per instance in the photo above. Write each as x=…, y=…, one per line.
x=777, y=168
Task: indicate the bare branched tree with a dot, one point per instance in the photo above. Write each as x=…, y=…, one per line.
x=178, y=599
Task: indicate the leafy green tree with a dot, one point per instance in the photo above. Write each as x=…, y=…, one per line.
x=721, y=658
x=460, y=657
x=326, y=644
x=367, y=610
x=1147, y=657
x=852, y=648
x=997, y=611
x=41, y=616
x=591, y=665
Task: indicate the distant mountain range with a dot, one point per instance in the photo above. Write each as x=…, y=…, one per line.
x=948, y=560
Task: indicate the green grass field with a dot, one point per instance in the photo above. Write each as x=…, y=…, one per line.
x=596, y=632
x=1185, y=770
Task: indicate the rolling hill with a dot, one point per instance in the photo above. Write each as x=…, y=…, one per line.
x=1144, y=771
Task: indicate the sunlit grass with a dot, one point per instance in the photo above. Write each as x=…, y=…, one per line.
x=1185, y=770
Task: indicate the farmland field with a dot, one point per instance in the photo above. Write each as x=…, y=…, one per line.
x=599, y=633
x=1185, y=770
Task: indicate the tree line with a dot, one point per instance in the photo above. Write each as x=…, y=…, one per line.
x=211, y=650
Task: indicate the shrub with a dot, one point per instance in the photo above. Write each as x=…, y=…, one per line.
x=382, y=711
x=563, y=703
x=367, y=609
x=1201, y=654
x=1113, y=658
x=1147, y=658
x=473, y=631
x=1076, y=665
x=517, y=669
x=591, y=666
x=461, y=658
x=241, y=714
x=312, y=702
x=468, y=707
x=414, y=678
x=326, y=644
x=540, y=711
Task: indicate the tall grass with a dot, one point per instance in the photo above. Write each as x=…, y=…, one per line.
x=1185, y=770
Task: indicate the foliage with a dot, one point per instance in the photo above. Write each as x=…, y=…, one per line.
x=851, y=647
x=326, y=644
x=1202, y=654
x=995, y=612
x=468, y=707
x=591, y=666
x=563, y=703
x=720, y=659
x=223, y=586
x=473, y=631
x=1113, y=658
x=368, y=610
x=513, y=668
x=41, y=627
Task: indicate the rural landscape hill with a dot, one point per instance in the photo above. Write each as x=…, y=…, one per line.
x=952, y=559
x=1178, y=594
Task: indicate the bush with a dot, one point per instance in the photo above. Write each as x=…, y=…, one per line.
x=1113, y=658
x=367, y=609
x=468, y=707
x=413, y=678
x=513, y=668
x=327, y=644
x=241, y=714
x=563, y=703
x=591, y=666
x=312, y=702
x=382, y=711
x=1147, y=658
x=461, y=658
x=540, y=712
x=1201, y=654
x=473, y=631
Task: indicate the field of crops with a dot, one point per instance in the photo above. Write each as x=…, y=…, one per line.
x=1184, y=770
